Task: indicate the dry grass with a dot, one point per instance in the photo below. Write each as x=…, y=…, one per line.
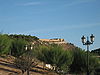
x=8, y=68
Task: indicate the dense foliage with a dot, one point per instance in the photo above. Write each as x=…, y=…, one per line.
x=96, y=51
x=5, y=43
x=79, y=65
x=18, y=47
x=79, y=62
x=25, y=37
x=64, y=61
x=15, y=44
x=56, y=56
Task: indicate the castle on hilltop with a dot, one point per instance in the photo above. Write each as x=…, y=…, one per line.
x=55, y=40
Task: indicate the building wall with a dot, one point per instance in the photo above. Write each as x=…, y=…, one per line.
x=56, y=41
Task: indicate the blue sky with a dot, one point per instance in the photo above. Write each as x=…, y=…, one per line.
x=46, y=19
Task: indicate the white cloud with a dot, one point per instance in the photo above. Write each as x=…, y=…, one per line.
x=78, y=2
x=30, y=3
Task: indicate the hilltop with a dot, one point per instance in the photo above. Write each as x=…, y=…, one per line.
x=12, y=46
x=59, y=41
x=36, y=40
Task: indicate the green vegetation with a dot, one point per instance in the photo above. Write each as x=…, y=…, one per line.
x=25, y=62
x=63, y=61
x=96, y=51
x=5, y=43
x=79, y=65
x=96, y=54
x=14, y=44
x=56, y=56
x=18, y=47
x=28, y=38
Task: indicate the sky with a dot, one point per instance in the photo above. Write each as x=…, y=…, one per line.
x=47, y=19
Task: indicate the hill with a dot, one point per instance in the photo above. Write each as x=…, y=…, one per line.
x=7, y=67
x=96, y=51
x=59, y=41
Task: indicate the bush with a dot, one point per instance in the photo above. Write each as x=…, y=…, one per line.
x=56, y=56
x=79, y=65
x=25, y=62
x=5, y=43
x=18, y=47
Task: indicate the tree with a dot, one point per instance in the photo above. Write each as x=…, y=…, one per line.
x=79, y=64
x=96, y=51
x=56, y=56
x=26, y=62
x=28, y=38
x=5, y=43
x=94, y=63
x=18, y=47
